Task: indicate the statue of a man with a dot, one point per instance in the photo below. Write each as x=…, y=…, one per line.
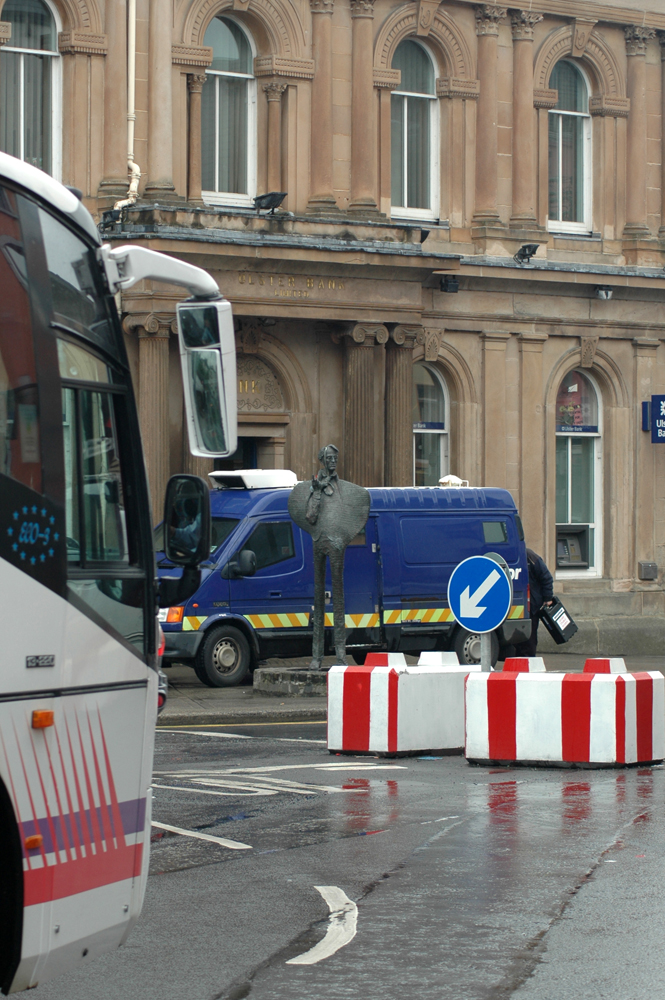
x=333, y=511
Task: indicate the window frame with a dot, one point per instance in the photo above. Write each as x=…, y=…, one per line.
x=586, y=225
x=595, y=569
x=229, y=197
x=436, y=374
x=55, y=59
x=431, y=213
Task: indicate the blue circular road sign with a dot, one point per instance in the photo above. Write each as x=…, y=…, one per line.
x=479, y=594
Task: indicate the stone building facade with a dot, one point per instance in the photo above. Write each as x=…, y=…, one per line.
x=420, y=145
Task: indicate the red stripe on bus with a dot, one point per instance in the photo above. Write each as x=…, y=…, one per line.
x=40, y=885
x=644, y=712
x=576, y=717
x=620, y=719
x=501, y=716
x=393, y=683
x=355, y=708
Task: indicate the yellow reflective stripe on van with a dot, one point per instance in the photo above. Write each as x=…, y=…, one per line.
x=354, y=621
x=517, y=611
x=290, y=619
x=420, y=615
x=193, y=623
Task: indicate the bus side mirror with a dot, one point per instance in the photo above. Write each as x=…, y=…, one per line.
x=187, y=521
x=208, y=359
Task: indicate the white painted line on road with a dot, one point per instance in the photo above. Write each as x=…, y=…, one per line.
x=238, y=736
x=234, y=845
x=342, y=926
x=206, y=791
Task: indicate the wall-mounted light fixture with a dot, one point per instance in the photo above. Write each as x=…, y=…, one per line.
x=525, y=253
x=269, y=202
x=603, y=292
x=449, y=284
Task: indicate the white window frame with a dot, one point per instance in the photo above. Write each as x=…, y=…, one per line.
x=56, y=93
x=432, y=212
x=586, y=226
x=232, y=198
x=443, y=434
x=596, y=570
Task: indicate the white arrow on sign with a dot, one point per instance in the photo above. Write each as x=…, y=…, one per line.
x=468, y=605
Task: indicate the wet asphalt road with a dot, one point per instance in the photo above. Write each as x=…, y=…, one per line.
x=469, y=882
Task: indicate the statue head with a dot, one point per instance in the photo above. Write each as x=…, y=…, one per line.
x=328, y=457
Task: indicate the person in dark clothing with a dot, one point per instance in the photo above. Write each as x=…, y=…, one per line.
x=541, y=586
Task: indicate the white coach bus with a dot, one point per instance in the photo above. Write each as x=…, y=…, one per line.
x=78, y=596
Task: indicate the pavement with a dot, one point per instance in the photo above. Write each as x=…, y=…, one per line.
x=191, y=703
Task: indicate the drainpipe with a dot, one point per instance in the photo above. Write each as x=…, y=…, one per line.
x=132, y=167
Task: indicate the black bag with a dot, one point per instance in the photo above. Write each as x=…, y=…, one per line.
x=558, y=622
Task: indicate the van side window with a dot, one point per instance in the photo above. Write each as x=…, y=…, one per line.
x=272, y=542
x=495, y=532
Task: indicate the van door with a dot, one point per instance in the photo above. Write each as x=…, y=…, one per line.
x=277, y=600
x=362, y=595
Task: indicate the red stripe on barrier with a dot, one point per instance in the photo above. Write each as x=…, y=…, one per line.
x=644, y=713
x=355, y=708
x=620, y=719
x=501, y=714
x=576, y=717
x=393, y=682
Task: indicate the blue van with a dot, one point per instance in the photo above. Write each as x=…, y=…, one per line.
x=395, y=576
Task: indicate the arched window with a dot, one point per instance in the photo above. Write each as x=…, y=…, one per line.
x=570, y=151
x=430, y=426
x=578, y=481
x=30, y=85
x=414, y=145
x=228, y=116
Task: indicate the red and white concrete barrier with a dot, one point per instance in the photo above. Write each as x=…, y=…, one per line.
x=605, y=665
x=524, y=664
x=395, y=709
x=385, y=660
x=587, y=718
x=436, y=658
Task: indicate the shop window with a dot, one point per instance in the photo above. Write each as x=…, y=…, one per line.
x=578, y=481
x=570, y=151
x=228, y=116
x=414, y=145
x=30, y=112
x=430, y=426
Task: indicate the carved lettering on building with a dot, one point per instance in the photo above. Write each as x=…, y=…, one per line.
x=283, y=286
x=258, y=388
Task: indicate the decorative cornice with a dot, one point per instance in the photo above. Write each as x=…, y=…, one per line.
x=5, y=32
x=191, y=55
x=523, y=22
x=274, y=90
x=488, y=17
x=388, y=79
x=362, y=8
x=321, y=6
x=82, y=42
x=609, y=107
x=637, y=38
x=300, y=69
x=545, y=98
x=450, y=86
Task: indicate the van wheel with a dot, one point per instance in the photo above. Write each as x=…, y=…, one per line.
x=224, y=658
x=467, y=646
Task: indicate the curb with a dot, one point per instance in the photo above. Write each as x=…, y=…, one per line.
x=240, y=719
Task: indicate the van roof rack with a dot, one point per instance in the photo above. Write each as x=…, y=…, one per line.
x=252, y=479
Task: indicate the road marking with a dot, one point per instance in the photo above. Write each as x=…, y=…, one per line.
x=234, y=845
x=342, y=926
x=203, y=791
x=239, y=736
x=251, y=725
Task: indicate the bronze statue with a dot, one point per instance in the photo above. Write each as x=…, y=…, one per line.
x=333, y=512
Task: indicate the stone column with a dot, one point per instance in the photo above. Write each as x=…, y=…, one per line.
x=487, y=29
x=195, y=84
x=153, y=400
x=160, y=102
x=321, y=199
x=524, y=136
x=532, y=431
x=661, y=232
x=494, y=409
x=645, y=501
x=115, y=181
x=273, y=92
x=359, y=402
x=399, y=404
x=636, y=188
x=363, y=123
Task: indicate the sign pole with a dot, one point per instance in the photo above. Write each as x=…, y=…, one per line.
x=486, y=652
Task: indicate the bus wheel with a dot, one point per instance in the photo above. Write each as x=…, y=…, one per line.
x=467, y=646
x=223, y=659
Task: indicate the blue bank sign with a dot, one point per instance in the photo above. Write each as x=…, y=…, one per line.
x=479, y=594
x=658, y=419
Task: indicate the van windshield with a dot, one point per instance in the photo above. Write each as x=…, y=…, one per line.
x=221, y=529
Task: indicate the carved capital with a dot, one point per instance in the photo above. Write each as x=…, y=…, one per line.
x=607, y=106
x=321, y=6
x=367, y=335
x=488, y=17
x=522, y=22
x=196, y=56
x=637, y=38
x=406, y=336
x=545, y=98
x=387, y=79
x=152, y=325
x=274, y=90
x=450, y=87
x=588, y=346
x=299, y=69
x=195, y=82
x=82, y=43
x=5, y=32
x=362, y=8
